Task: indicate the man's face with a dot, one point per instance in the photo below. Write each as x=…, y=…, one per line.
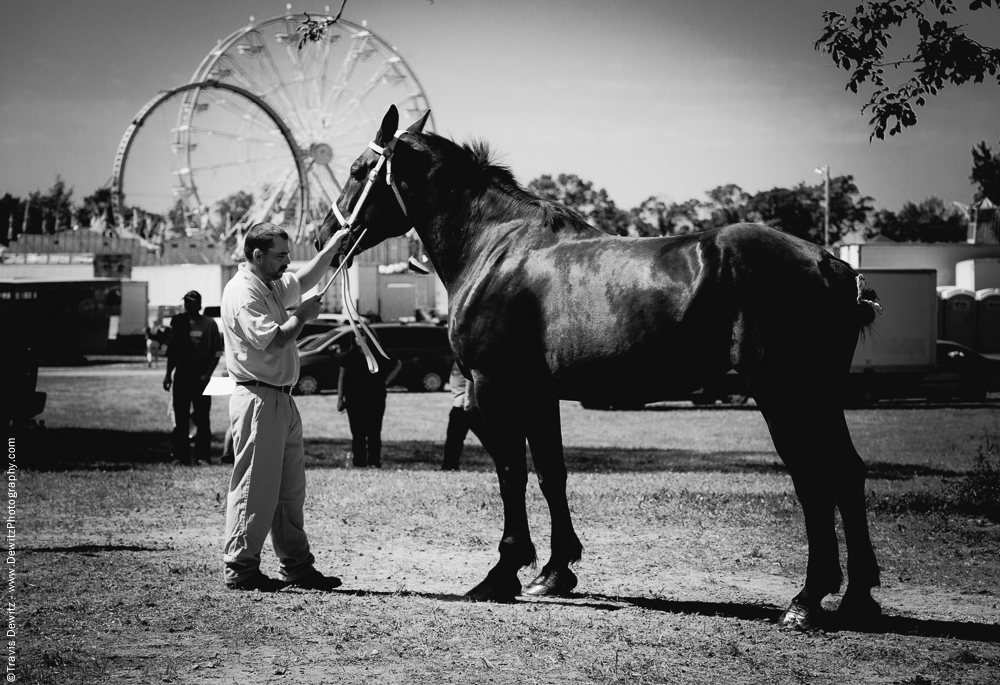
x=275, y=261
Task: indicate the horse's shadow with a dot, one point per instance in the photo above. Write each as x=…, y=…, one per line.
x=887, y=624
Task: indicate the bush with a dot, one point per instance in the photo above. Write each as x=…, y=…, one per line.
x=979, y=492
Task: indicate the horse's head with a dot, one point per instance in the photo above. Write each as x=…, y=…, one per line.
x=371, y=203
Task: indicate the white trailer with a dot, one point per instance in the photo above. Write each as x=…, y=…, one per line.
x=893, y=359
x=167, y=284
x=939, y=256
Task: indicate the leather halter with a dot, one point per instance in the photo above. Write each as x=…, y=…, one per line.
x=385, y=157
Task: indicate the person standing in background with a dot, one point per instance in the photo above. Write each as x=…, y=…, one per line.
x=192, y=355
x=464, y=416
x=363, y=394
x=152, y=346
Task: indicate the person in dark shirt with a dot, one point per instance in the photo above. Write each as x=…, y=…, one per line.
x=192, y=355
x=362, y=393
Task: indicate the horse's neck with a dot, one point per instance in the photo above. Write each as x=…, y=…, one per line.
x=447, y=240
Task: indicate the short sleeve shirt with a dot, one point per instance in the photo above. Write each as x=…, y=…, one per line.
x=252, y=312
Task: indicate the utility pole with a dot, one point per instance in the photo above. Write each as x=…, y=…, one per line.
x=825, y=170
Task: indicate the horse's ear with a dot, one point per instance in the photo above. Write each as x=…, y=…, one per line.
x=389, y=125
x=418, y=125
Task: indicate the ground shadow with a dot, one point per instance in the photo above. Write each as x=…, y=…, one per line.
x=62, y=449
x=887, y=624
x=92, y=550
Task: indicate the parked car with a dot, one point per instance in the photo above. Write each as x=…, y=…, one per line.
x=422, y=348
x=961, y=372
x=730, y=388
x=324, y=323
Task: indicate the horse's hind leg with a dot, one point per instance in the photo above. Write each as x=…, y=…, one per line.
x=813, y=441
x=505, y=442
x=857, y=605
x=545, y=441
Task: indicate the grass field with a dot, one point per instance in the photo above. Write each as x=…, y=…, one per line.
x=694, y=543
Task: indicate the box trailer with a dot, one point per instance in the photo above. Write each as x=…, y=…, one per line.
x=127, y=330
x=894, y=357
x=942, y=257
x=60, y=319
x=169, y=283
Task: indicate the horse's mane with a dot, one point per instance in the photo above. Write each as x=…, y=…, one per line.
x=494, y=184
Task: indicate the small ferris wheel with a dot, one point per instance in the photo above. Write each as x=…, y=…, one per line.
x=329, y=94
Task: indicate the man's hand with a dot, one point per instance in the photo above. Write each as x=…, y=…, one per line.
x=333, y=244
x=166, y=382
x=309, y=309
x=340, y=404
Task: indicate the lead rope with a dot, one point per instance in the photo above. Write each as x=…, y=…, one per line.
x=355, y=321
x=353, y=318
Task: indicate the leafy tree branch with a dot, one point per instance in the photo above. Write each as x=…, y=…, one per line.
x=944, y=55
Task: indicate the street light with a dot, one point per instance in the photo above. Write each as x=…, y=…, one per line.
x=825, y=171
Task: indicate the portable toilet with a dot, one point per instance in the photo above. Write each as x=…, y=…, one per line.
x=988, y=320
x=957, y=309
x=940, y=310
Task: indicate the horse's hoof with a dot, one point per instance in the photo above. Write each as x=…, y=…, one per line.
x=558, y=583
x=493, y=590
x=858, y=610
x=801, y=617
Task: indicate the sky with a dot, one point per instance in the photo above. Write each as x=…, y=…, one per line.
x=641, y=97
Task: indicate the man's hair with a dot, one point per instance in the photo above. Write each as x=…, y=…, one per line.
x=261, y=237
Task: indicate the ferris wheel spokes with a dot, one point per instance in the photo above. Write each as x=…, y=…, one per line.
x=319, y=183
x=328, y=91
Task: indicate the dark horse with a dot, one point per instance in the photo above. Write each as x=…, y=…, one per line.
x=543, y=306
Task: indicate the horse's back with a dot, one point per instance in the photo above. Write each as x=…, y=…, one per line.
x=630, y=315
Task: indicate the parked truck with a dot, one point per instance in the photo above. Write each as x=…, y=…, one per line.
x=63, y=320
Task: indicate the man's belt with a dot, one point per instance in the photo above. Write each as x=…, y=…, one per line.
x=261, y=384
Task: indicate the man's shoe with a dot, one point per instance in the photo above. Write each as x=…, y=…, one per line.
x=257, y=581
x=314, y=580
x=228, y=459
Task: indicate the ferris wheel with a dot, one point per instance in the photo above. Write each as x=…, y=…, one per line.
x=331, y=93
x=153, y=169
x=329, y=96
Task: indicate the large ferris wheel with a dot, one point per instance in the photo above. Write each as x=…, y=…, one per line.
x=266, y=120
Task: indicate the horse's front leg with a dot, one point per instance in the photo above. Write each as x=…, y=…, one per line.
x=545, y=441
x=504, y=418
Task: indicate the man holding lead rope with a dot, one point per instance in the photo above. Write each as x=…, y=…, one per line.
x=268, y=486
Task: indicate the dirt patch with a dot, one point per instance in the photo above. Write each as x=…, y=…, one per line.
x=131, y=593
x=693, y=546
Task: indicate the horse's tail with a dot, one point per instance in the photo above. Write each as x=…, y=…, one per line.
x=867, y=307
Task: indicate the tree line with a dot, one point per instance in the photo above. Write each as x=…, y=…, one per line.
x=799, y=210
x=56, y=210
